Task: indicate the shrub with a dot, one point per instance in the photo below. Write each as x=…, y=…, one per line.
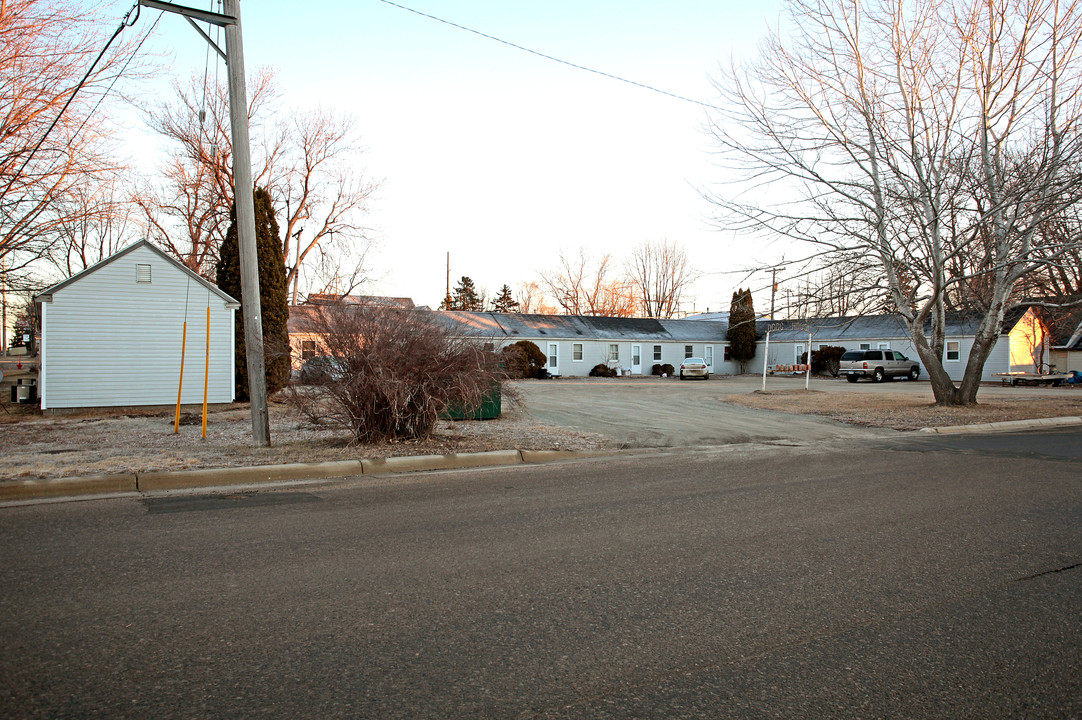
x=400, y=372
x=668, y=369
x=602, y=370
x=826, y=359
x=656, y=369
x=525, y=360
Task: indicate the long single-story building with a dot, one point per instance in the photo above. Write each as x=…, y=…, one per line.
x=1021, y=346
x=111, y=335
x=574, y=344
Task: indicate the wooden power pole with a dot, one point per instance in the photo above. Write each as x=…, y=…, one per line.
x=229, y=19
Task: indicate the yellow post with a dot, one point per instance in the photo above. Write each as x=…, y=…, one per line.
x=180, y=388
x=206, y=377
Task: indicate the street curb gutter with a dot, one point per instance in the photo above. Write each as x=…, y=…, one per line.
x=1005, y=426
x=219, y=477
x=61, y=487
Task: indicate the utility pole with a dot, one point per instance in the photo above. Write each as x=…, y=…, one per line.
x=229, y=19
x=773, y=289
x=447, y=298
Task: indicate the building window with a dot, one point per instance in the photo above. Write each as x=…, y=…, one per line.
x=576, y=352
x=689, y=351
x=614, y=352
x=952, y=351
x=308, y=349
x=865, y=346
x=488, y=347
x=727, y=354
x=657, y=353
x=142, y=273
x=883, y=346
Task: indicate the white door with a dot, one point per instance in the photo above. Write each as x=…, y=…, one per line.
x=798, y=353
x=708, y=356
x=554, y=359
x=636, y=359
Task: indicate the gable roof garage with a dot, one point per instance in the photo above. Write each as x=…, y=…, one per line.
x=111, y=335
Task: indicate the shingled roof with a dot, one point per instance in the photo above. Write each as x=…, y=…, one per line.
x=579, y=327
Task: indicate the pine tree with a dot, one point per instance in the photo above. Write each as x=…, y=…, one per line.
x=465, y=296
x=741, y=331
x=504, y=303
x=273, y=301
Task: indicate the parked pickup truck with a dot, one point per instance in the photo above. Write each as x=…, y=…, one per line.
x=879, y=365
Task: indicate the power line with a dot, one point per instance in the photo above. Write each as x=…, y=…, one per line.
x=550, y=57
x=123, y=24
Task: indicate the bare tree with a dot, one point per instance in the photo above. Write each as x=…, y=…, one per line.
x=46, y=49
x=912, y=136
x=660, y=275
x=531, y=299
x=98, y=224
x=307, y=160
x=583, y=287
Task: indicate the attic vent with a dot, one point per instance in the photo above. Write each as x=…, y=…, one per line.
x=142, y=273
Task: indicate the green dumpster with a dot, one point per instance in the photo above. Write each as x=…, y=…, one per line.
x=490, y=407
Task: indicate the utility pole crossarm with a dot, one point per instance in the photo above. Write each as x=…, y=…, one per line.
x=204, y=15
x=206, y=37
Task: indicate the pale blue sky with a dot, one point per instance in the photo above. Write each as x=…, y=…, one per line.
x=498, y=156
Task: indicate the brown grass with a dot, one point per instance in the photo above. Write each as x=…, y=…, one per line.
x=110, y=441
x=907, y=412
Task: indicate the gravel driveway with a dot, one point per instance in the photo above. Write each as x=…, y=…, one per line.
x=655, y=412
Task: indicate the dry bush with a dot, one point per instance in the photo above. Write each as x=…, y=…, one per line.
x=400, y=371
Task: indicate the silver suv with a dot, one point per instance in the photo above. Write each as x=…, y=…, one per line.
x=879, y=365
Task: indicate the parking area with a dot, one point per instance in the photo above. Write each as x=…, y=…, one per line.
x=655, y=412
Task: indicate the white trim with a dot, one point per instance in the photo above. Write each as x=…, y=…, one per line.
x=43, y=366
x=582, y=355
x=947, y=351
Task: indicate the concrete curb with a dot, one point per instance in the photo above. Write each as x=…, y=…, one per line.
x=1005, y=426
x=220, y=477
x=61, y=487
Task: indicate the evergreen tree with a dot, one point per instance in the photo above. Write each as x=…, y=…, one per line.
x=504, y=303
x=273, y=302
x=741, y=331
x=465, y=296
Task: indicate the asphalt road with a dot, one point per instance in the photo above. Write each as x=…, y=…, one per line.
x=908, y=578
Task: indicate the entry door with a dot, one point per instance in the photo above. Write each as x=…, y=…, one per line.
x=636, y=359
x=798, y=353
x=554, y=359
x=708, y=356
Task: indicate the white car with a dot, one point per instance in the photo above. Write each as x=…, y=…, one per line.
x=694, y=367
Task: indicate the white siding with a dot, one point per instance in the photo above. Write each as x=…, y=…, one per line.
x=782, y=353
x=109, y=341
x=596, y=352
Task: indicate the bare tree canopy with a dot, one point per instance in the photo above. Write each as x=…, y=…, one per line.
x=46, y=49
x=584, y=287
x=659, y=272
x=307, y=160
x=926, y=143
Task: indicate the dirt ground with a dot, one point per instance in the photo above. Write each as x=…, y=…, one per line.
x=909, y=411
x=106, y=442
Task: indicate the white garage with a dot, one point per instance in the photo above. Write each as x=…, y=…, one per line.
x=112, y=335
